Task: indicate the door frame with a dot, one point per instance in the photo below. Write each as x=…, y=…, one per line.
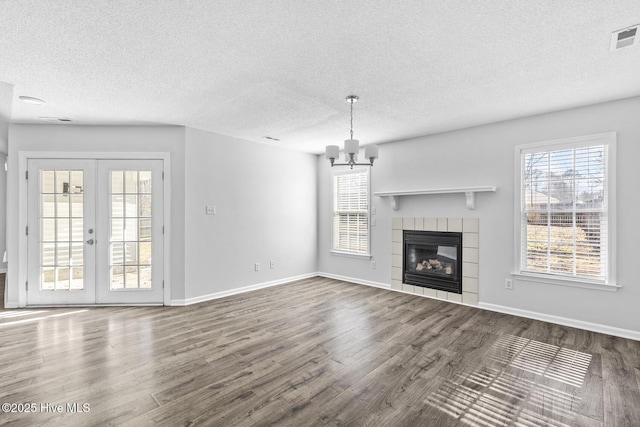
x=23, y=209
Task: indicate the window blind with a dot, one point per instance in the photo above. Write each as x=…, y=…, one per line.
x=564, y=208
x=351, y=212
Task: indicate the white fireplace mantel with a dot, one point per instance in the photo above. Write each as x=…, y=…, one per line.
x=469, y=192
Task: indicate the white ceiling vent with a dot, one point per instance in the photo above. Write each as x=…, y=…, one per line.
x=625, y=38
x=56, y=119
x=270, y=138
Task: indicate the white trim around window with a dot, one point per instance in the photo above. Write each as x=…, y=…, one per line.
x=351, y=212
x=566, y=235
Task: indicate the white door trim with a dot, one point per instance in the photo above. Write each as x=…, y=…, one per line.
x=23, y=157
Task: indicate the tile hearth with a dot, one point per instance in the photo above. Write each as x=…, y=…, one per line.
x=469, y=227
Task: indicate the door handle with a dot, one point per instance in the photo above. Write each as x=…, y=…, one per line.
x=90, y=242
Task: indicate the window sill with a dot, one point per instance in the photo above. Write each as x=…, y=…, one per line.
x=575, y=283
x=350, y=254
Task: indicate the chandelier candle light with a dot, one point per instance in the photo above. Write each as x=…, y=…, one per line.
x=351, y=147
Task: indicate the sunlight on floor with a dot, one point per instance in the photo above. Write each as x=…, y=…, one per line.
x=8, y=315
x=19, y=313
x=550, y=361
x=490, y=396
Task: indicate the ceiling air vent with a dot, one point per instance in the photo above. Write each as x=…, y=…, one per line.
x=624, y=38
x=57, y=119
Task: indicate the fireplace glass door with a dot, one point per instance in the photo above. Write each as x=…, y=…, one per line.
x=433, y=260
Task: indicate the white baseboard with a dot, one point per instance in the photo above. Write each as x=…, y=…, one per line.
x=595, y=327
x=354, y=280
x=222, y=294
x=3, y=270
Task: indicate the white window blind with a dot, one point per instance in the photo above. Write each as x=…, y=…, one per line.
x=564, y=210
x=351, y=211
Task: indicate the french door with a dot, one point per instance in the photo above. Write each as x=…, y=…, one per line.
x=95, y=231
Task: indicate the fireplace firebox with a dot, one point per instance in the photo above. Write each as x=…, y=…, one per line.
x=433, y=259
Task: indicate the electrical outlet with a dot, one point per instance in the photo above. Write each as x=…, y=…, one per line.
x=373, y=265
x=272, y=265
x=508, y=284
x=373, y=222
x=257, y=266
x=211, y=210
x=373, y=210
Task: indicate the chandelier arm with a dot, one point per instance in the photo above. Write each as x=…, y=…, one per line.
x=352, y=164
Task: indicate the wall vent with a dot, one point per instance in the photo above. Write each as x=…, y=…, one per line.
x=625, y=38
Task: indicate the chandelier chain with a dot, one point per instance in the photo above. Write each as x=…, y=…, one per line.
x=351, y=102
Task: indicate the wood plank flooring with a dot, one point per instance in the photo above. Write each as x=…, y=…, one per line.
x=312, y=352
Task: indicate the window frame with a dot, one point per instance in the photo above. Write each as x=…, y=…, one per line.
x=607, y=139
x=344, y=252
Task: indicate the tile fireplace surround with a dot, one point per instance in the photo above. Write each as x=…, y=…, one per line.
x=469, y=229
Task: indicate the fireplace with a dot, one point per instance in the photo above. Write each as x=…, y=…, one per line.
x=433, y=259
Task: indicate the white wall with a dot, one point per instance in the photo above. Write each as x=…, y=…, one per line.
x=6, y=100
x=485, y=156
x=266, y=209
x=3, y=211
x=61, y=138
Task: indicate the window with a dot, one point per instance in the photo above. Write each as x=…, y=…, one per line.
x=565, y=208
x=351, y=212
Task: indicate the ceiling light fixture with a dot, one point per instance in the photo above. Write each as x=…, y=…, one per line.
x=351, y=147
x=31, y=100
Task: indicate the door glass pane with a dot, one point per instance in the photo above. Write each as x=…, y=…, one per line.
x=77, y=205
x=77, y=278
x=145, y=276
x=48, y=205
x=145, y=230
x=62, y=234
x=131, y=278
x=61, y=237
x=62, y=205
x=117, y=230
x=48, y=254
x=117, y=181
x=62, y=278
x=117, y=206
x=62, y=182
x=131, y=229
x=145, y=206
x=145, y=253
x=77, y=184
x=77, y=254
x=131, y=206
x=117, y=253
x=131, y=253
x=48, y=279
x=47, y=182
x=131, y=238
x=48, y=230
x=117, y=278
x=144, y=182
x=77, y=229
x=62, y=251
x=131, y=182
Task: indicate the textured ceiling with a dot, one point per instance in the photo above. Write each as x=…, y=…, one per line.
x=283, y=68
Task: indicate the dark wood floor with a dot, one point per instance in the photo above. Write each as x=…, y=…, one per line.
x=313, y=352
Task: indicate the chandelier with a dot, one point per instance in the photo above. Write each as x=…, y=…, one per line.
x=351, y=147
